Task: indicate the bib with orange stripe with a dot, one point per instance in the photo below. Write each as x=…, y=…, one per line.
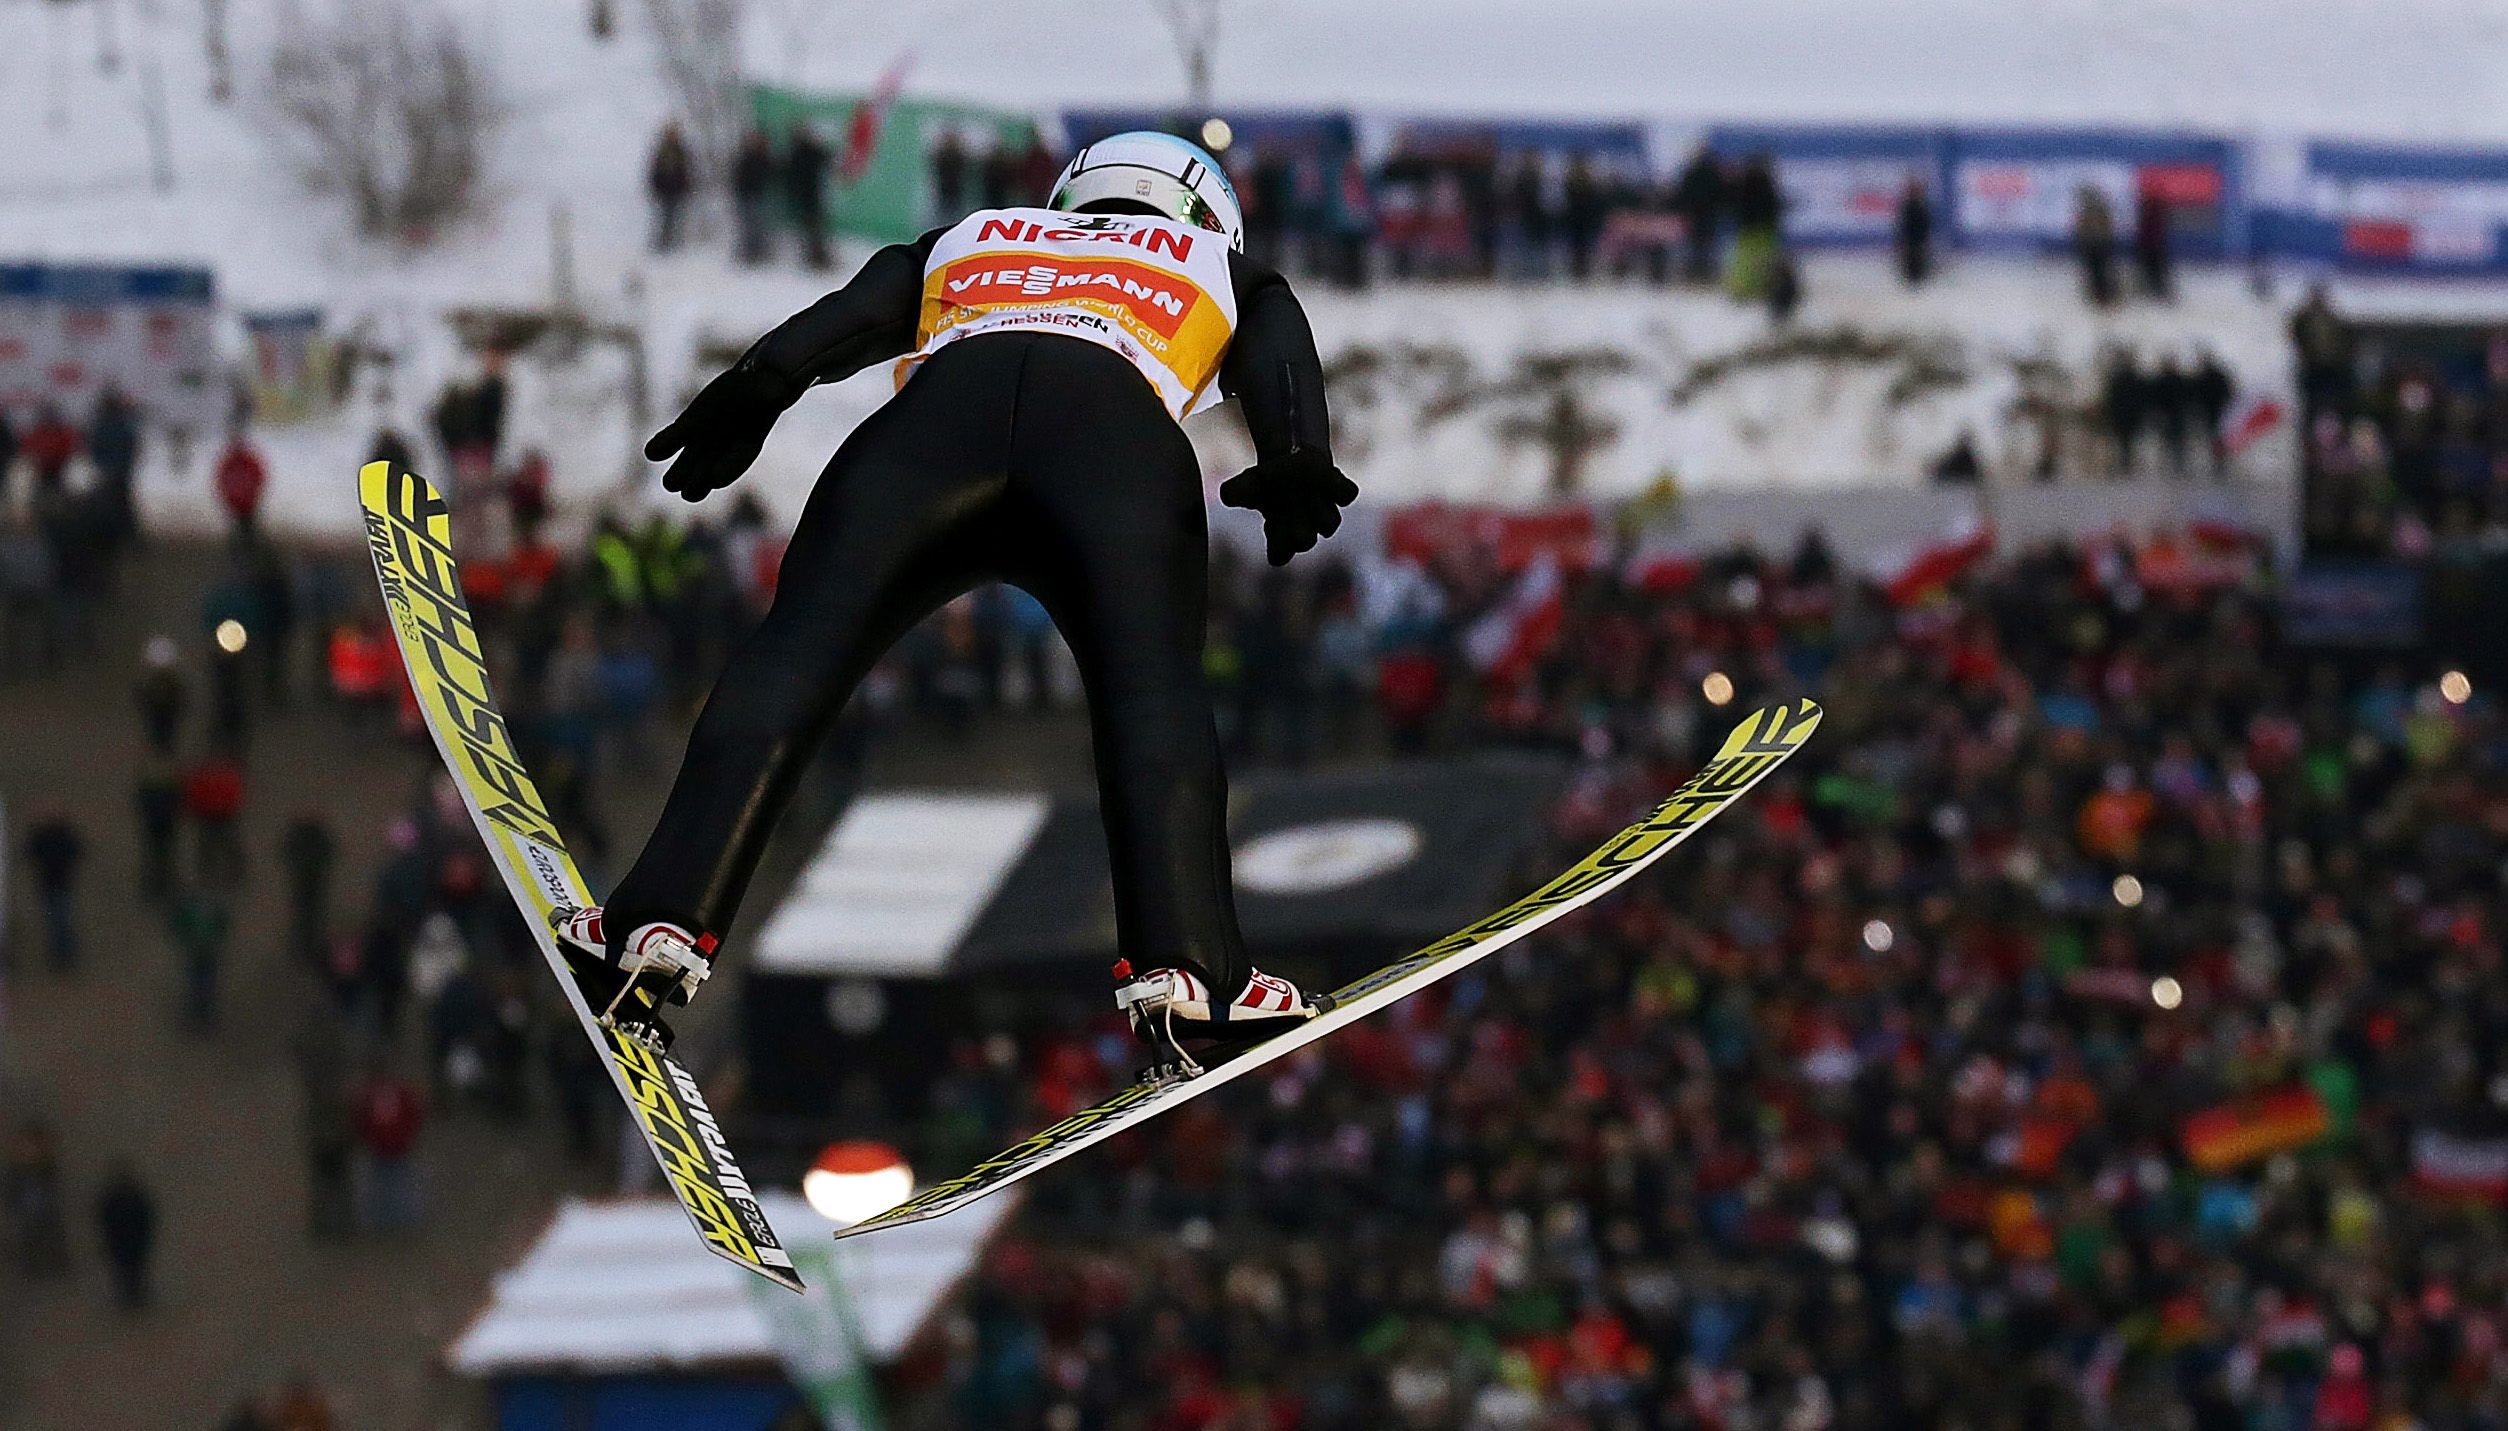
x=1156, y=291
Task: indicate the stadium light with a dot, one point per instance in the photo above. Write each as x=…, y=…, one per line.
x=856, y=1179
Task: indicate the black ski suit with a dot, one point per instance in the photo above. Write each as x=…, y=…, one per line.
x=1034, y=458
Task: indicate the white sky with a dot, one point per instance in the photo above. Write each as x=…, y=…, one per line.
x=2425, y=69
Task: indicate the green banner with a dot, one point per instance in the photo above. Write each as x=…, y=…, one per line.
x=891, y=201
x=819, y=1337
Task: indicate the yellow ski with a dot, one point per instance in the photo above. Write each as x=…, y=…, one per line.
x=408, y=531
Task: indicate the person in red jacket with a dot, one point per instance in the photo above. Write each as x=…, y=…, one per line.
x=389, y=1115
x=213, y=798
x=242, y=477
x=48, y=447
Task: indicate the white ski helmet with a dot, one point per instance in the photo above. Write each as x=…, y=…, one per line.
x=1172, y=176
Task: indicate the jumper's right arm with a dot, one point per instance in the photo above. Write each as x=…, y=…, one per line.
x=870, y=319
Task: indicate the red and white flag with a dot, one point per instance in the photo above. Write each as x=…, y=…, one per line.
x=1504, y=643
x=870, y=116
x=2448, y=1165
x=1940, y=564
x=2249, y=421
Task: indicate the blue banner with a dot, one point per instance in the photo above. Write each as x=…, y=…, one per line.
x=1621, y=145
x=69, y=331
x=2353, y=604
x=1842, y=184
x=2390, y=208
x=2023, y=188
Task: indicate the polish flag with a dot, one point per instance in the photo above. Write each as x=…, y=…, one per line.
x=1504, y=644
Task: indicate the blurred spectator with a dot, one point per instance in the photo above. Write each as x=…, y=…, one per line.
x=1959, y=466
x=997, y=175
x=1580, y=213
x=2172, y=403
x=48, y=447
x=389, y=1116
x=113, y=438
x=1758, y=224
x=669, y=177
x=8, y=454
x=303, y=1407
x=1912, y=235
x=806, y=158
x=242, y=477
x=2094, y=245
x=2125, y=402
x=1785, y=285
x=30, y=626
x=161, y=694
x=1698, y=197
x=1270, y=203
x=1038, y=168
x=948, y=166
x=199, y=922
x=213, y=800
x=752, y=180
x=2154, y=246
x=1351, y=223
x=390, y=446
x=469, y=420
x=527, y=496
x=273, y=581
x=230, y=620
x=54, y=851
x=126, y=1221
x=2211, y=390
x=30, y=1181
x=157, y=797
x=2323, y=346
x=308, y=850
x=321, y=1052
x=1529, y=205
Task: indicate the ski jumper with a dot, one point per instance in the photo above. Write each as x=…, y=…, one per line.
x=1045, y=360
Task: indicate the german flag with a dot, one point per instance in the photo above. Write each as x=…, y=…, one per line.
x=2235, y=1134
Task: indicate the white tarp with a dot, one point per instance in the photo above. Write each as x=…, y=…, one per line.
x=898, y=883
x=625, y=1286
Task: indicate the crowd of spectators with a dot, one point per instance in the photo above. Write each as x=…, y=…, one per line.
x=2404, y=434
x=2100, y=1028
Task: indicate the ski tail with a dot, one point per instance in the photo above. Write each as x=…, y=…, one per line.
x=408, y=533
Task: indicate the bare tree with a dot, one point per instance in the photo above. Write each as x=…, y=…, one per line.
x=698, y=42
x=1194, y=26
x=392, y=106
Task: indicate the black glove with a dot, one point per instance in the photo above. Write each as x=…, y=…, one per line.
x=719, y=434
x=1300, y=495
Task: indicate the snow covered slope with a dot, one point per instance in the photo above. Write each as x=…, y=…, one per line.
x=75, y=183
